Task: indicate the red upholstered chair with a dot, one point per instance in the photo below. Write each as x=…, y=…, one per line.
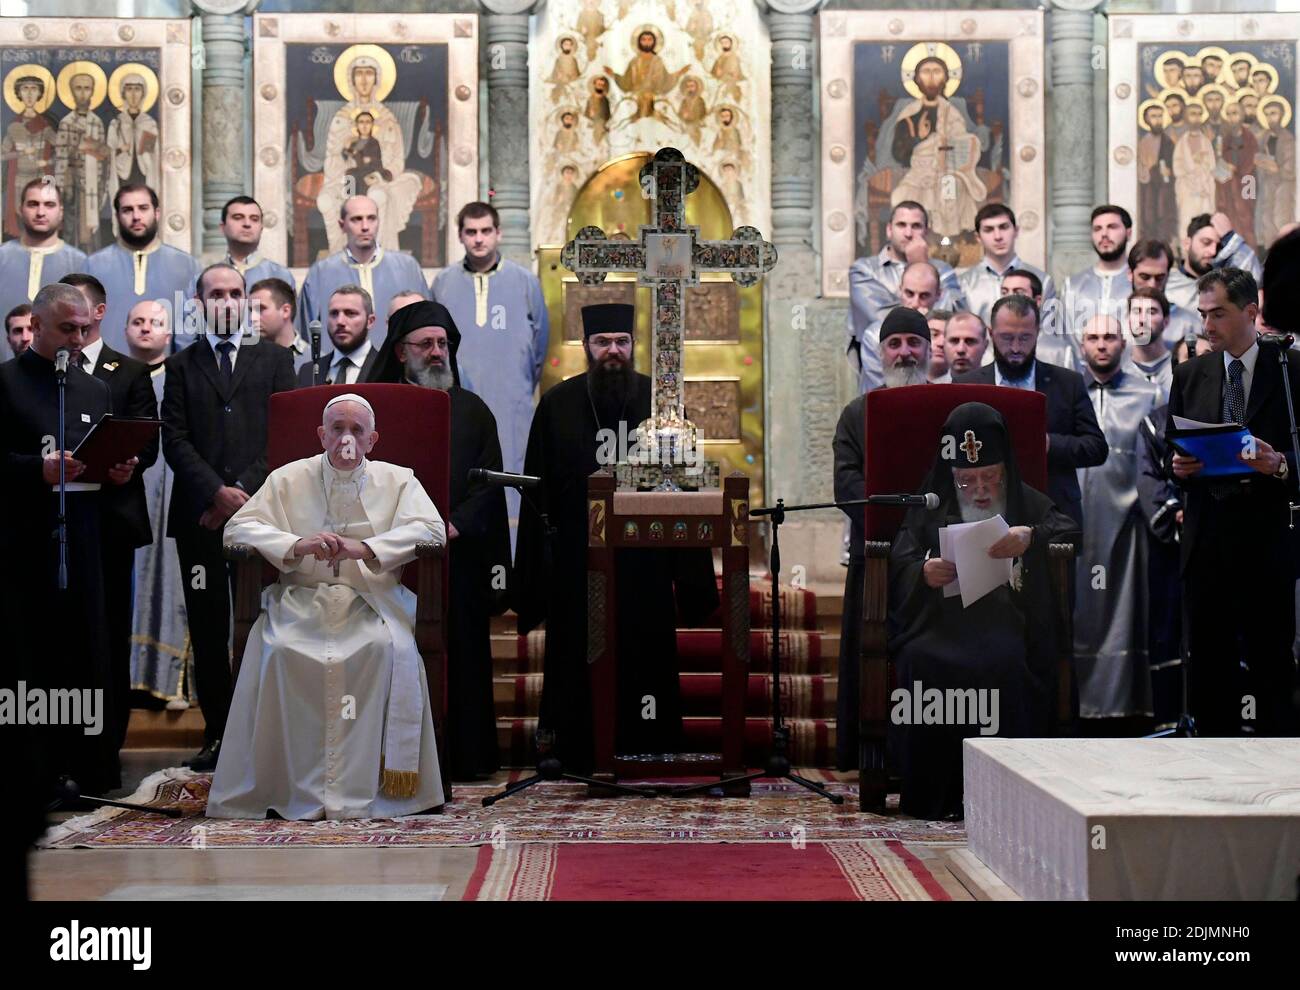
x=902, y=433
x=414, y=431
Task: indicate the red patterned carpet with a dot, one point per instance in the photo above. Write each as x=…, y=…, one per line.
x=554, y=843
x=557, y=812
x=871, y=870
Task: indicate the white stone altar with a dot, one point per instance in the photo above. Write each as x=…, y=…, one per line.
x=1137, y=819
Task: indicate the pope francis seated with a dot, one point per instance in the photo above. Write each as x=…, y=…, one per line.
x=330, y=717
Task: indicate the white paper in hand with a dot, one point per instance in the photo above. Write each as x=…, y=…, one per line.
x=978, y=572
x=953, y=587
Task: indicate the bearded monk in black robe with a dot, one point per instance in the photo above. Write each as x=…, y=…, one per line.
x=551, y=582
x=421, y=350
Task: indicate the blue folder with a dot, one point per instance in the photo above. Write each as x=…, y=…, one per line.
x=1217, y=447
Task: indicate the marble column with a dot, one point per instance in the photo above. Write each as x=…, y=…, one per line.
x=804, y=394
x=1073, y=193
x=225, y=111
x=505, y=63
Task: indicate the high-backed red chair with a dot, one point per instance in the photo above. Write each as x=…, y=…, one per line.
x=902, y=432
x=414, y=427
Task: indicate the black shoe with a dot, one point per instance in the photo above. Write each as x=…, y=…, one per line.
x=205, y=760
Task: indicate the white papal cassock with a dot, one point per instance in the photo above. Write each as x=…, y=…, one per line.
x=332, y=687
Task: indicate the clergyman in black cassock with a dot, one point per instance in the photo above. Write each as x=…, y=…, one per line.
x=902, y=365
x=1005, y=642
x=421, y=349
x=59, y=639
x=551, y=583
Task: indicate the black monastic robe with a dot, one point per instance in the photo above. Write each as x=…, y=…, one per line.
x=562, y=450
x=480, y=566
x=56, y=639
x=1008, y=640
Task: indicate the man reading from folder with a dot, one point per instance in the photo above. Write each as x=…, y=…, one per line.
x=1236, y=565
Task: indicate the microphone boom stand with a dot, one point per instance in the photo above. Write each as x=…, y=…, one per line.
x=778, y=761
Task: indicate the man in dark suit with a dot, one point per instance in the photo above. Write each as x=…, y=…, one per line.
x=1238, y=576
x=214, y=413
x=1074, y=440
x=350, y=314
x=125, y=524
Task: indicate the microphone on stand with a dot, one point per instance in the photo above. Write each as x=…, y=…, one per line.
x=61, y=358
x=504, y=479
x=930, y=500
x=1282, y=340
x=313, y=332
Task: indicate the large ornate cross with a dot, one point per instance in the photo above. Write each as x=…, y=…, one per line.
x=668, y=258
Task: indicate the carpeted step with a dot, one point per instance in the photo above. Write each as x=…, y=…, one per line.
x=698, y=651
x=798, y=607
x=802, y=695
x=812, y=741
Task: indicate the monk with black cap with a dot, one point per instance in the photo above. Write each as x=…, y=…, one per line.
x=576, y=431
x=421, y=350
x=1003, y=645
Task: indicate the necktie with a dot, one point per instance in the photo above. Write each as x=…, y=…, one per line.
x=1234, y=411
x=224, y=360
x=340, y=376
x=1234, y=394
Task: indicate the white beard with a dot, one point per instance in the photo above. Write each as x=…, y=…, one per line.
x=972, y=513
x=431, y=377
x=897, y=376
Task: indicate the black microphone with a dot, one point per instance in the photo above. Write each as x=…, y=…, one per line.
x=504, y=479
x=1282, y=340
x=61, y=358
x=313, y=333
x=930, y=500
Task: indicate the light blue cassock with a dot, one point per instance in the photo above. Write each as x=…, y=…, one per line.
x=165, y=274
x=261, y=268
x=504, y=330
x=981, y=285
x=162, y=659
x=1084, y=295
x=1234, y=252
x=1159, y=373
x=1181, y=324
x=874, y=284
x=18, y=280
x=384, y=276
x=1110, y=615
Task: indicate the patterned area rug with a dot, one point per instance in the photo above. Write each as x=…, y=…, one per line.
x=869, y=870
x=552, y=813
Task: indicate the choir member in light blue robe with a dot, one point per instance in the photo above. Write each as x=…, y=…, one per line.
x=874, y=281
x=1099, y=290
x=499, y=308
x=39, y=257
x=1199, y=247
x=1150, y=266
x=361, y=262
x=162, y=660
x=981, y=283
x=241, y=223
x=140, y=266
